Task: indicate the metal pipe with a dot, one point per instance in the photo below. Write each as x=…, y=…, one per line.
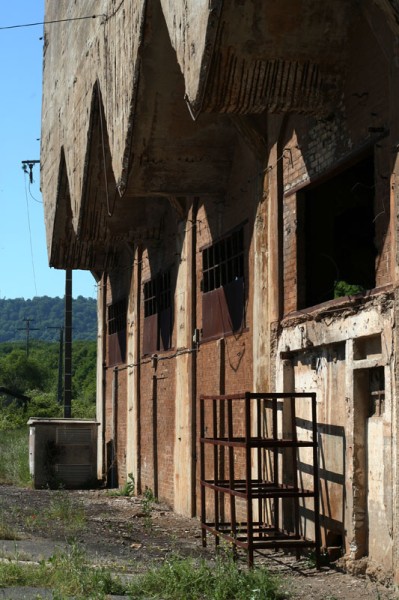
x=114, y=404
x=138, y=367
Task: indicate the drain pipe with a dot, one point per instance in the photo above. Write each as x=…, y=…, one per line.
x=113, y=473
x=138, y=369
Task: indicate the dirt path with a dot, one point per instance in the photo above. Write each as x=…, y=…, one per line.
x=128, y=534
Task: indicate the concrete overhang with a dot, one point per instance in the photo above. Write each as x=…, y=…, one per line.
x=146, y=116
x=260, y=55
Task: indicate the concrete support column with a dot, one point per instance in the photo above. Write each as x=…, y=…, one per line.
x=352, y=499
x=395, y=430
x=273, y=190
x=184, y=460
x=133, y=430
x=260, y=338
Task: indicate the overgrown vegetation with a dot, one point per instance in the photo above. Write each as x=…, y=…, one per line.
x=65, y=512
x=6, y=531
x=147, y=503
x=67, y=574
x=185, y=579
x=14, y=457
x=127, y=489
x=36, y=376
x=342, y=288
x=70, y=574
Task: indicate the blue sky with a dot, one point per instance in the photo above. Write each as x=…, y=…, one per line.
x=24, y=270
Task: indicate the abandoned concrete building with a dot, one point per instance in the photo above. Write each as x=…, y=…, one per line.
x=228, y=172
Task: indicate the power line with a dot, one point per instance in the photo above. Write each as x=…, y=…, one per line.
x=50, y=22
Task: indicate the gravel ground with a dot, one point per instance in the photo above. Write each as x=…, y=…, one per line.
x=119, y=532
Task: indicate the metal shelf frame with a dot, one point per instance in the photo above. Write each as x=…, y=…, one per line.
x=224, y=451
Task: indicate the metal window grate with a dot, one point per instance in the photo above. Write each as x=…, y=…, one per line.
x=117, y=314
x=223, y=262
x=157, y=294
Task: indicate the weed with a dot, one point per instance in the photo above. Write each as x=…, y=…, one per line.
x=127, y=489
x=147, y=504
x=311, y=561
x=14, y=457
x=72, y=575
x=63, y=510
x=6, y=531
x=185, y=579
x=17, y=574
x=67, y=574
x=66, y=510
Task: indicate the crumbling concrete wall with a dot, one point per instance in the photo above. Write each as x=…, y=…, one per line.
x=337, y=356
x=343, y=349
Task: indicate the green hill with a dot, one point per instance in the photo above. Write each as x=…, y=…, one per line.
x=46, y=313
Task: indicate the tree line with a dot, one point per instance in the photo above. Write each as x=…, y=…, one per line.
x=45, y=316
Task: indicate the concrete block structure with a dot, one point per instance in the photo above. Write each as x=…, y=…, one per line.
x=228, y=171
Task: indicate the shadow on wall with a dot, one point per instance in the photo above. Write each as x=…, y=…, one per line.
x=331, y=443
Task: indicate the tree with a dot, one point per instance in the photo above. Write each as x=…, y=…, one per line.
x=20, y=374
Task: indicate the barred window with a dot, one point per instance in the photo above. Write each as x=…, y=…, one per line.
x=157, y=334
x=223, y=286
x=223, y=262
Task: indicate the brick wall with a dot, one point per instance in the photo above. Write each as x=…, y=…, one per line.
x=222, y=366
x=315, y=150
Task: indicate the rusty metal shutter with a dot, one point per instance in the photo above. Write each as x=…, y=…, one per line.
x=223, y=310
x=117, y=348
x=150, y=334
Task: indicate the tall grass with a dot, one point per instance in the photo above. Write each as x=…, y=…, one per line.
x=14, y=456
x=65, y=513
x=69, y=574
x=184, y=579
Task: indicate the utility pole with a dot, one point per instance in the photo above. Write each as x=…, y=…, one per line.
x=60, y=363
x=27, y=330
x=68, y=346
x=29, y=164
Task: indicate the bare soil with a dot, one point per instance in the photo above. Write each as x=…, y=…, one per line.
x=120, y=533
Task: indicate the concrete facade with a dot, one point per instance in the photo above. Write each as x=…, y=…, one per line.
x=174, y=132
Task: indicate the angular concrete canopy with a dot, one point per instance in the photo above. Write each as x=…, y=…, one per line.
x=122, y=90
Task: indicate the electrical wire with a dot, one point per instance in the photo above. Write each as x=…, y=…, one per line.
x=30, y=238
x=32, y=196
x=51, y=22
x=103, y=15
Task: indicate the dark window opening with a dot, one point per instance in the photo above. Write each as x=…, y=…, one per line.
x=223, y=286
x=377, y=392
x=157, y=314
x=117, y=315
x=336, y=249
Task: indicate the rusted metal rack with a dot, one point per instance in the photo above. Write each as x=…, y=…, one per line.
x=253, y=480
